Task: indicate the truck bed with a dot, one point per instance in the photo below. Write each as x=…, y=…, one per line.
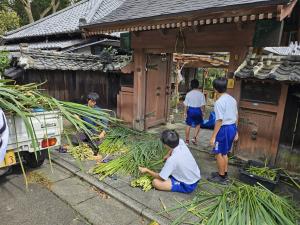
x=46, y=125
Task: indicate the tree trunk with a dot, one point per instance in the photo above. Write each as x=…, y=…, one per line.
x=27, y=7
x=55, y=6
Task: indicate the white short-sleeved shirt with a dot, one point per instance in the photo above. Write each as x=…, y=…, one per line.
x=181, y=165
x=3, y=135
x=226, y=109
x=194, y=98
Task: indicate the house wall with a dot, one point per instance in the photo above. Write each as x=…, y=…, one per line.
x=75, y=85
x=289, y=147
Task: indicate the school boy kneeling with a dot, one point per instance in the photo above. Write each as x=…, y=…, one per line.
x=180, y=172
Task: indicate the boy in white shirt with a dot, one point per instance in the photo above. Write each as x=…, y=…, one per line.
x=180, y=172
x=225, y=131
x=193, y=112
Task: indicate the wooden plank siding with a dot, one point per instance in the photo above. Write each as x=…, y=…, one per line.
x=75, y=85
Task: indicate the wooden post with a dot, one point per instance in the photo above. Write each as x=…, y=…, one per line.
x=237, y=56
x=139, y=89
x=278, y=123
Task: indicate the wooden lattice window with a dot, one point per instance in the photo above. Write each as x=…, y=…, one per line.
x=261, y=92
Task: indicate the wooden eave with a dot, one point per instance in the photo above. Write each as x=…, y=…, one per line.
x=195, y=19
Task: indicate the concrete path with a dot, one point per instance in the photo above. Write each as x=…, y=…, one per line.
x=35, y=206
x=94, y=205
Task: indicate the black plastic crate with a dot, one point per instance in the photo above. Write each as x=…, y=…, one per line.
x=252, y=179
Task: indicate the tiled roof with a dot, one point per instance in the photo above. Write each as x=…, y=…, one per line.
x=293, y=49
x=65, y=21
x=45, y=60
x=141, y=9
x=281, y=68
x=53, y=45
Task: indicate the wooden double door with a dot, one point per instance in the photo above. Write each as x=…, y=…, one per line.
x=157, y=89
x=261, y=110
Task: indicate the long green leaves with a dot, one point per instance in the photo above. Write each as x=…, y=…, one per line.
x=239, y=204
x=133, y=149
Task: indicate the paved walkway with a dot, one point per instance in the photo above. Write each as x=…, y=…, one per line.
x=37, y=205
x=94, y=205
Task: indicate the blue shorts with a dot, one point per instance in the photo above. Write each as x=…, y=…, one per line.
x=224, y=139
x=181, y=187
x=194, y=117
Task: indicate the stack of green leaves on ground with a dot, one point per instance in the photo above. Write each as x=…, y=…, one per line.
x=145, y=182
x=238, y=204
x=81, y=152
x=142, y=149
x=116, y=140
x=264, y=172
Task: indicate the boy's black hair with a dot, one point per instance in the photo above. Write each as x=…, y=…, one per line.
x=194, y=84
x=93, y=96
x=170, y=138
x=220, y=84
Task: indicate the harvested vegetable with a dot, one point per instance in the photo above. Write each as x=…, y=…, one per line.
x=264, y=172
x=81, y=152
x=145, y=182
x=238, y=204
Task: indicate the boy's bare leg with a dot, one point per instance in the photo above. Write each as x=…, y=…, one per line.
x=187, y=133
x=221, y=164
x=197, y=131
x=225, y=157
x=162, y=185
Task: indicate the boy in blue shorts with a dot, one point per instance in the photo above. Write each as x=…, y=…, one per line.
x=225, y=131
x=180, y=172
x=194, y=110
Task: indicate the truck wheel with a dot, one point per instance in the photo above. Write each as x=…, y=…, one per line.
x=31, y=159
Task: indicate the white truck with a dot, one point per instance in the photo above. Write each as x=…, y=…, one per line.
x=48, y=127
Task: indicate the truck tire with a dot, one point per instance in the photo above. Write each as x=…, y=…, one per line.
x=31, y=159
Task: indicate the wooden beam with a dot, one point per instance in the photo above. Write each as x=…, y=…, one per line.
x=209, y=38
x=286, y=11
x=139, y=89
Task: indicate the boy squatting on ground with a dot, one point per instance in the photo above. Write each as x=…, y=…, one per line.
x=180, y=172
x=92, y=99
x=225, y=131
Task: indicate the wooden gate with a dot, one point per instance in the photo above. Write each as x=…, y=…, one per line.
x=260, y=119
x=157, y=89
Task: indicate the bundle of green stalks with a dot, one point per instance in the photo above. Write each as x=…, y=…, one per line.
x=20, y=100
x=116, y=140
x=81, y=152
x=238, y=204
x=142, y=150
x=144, y=182
x=264, y=172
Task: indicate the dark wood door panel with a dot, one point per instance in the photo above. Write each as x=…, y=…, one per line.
x=256, y=134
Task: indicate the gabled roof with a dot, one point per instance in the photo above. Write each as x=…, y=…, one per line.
x=152, y=11
x=65, y=21
x=137, y=9
x=281, y=68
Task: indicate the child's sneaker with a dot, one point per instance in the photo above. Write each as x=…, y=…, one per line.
x=219, y=180
x=214, y=174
